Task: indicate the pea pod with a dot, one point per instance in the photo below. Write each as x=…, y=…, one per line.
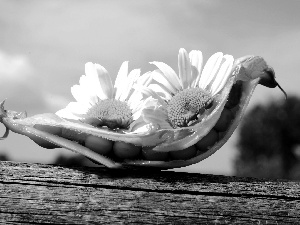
x=216, y=126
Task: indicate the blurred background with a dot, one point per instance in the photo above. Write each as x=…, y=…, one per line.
x=44, y=46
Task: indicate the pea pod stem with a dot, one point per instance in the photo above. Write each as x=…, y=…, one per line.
x=285, y=94
x=5, y=135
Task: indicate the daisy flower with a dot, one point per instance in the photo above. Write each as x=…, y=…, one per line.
x=184, y=98
x=102, y=104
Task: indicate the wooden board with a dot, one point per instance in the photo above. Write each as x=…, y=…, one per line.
x=47, y=194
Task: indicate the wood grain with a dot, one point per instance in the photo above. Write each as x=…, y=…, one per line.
x=47, y=194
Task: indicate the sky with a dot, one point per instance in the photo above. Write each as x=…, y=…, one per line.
x=44, y=46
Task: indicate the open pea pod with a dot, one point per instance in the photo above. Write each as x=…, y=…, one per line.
x=247, y=72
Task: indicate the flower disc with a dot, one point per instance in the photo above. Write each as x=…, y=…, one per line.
x=185, y=107
x=111, y=113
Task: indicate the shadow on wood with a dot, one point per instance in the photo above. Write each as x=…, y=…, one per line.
x=37, y=193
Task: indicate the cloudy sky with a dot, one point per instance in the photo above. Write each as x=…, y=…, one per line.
x=44, y=46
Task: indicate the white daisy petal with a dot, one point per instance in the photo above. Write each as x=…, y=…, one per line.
x=137, y=96
x=136, y=112
x=78, y=108
x=73, y=110
x=133, y=76
x=147, y=103
x=93, y=81
x=222, y=75
x=90, y=70
x=139, y=126
x=105, y=82
x=131, y=79
x=196, y=59
x=86, y=86
x=135, y=99
x=80, y=94
x=160, y=90
x=161, y=79
x=120, y=79
x=64, y=113
x=150, y=93
x=210, y=69
x=169, y=74
x=151, y=102
x=156, y=116
x=145, y=79
x=184, y=66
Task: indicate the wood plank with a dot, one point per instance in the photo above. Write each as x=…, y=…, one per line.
x=36, y=193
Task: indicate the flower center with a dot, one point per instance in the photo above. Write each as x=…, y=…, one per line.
x=186, y=106
x=111, y=113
